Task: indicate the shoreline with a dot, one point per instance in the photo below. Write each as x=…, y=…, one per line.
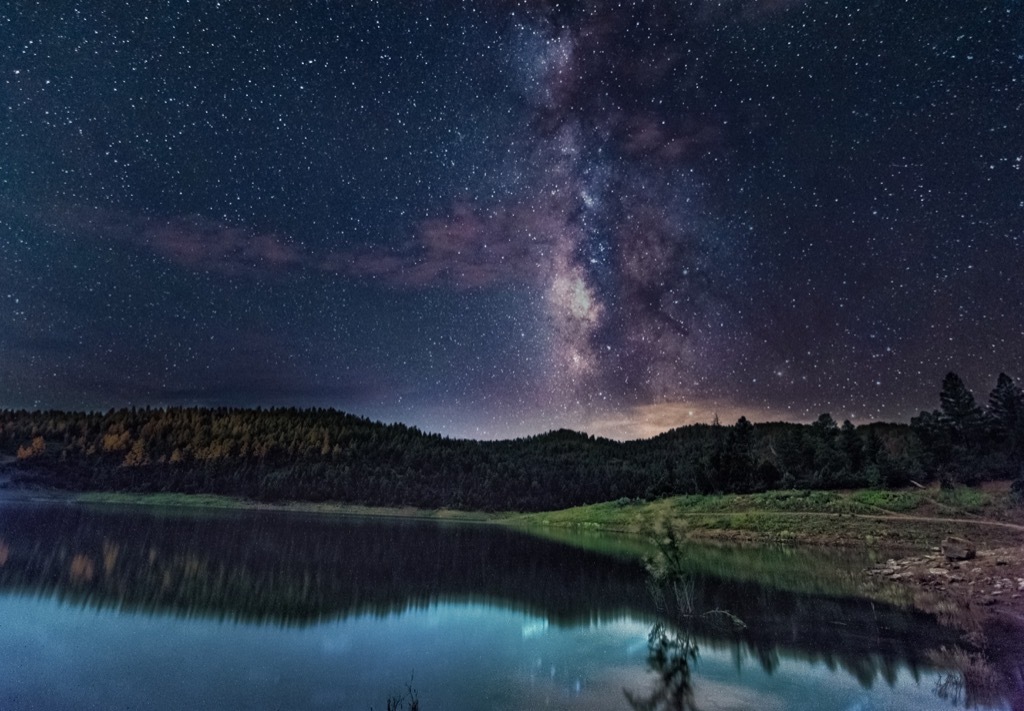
x=833, y=544
x=826, y=519
x=228, y=503
x=969, y=594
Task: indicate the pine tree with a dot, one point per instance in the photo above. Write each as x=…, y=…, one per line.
x=1006, y=406
x=964, y=422
x=958, y=406
x=1006, y=422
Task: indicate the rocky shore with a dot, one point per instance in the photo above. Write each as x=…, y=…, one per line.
x=980, y=593
x=983, y=582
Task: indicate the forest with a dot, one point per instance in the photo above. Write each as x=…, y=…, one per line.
x=326, y=455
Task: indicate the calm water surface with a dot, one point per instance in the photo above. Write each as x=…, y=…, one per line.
x=104, y=608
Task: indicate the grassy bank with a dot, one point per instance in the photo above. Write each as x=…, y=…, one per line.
x=911, y=519
x=793, y=568
x=871, y=526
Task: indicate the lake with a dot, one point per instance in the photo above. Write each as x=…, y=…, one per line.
x=131, y=608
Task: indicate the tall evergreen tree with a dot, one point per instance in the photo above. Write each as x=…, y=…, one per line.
x=959, y=409
x=1006, y=406
x=1006, y=422
x=963, y=421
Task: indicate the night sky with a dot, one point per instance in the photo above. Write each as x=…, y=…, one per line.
x=490, y=219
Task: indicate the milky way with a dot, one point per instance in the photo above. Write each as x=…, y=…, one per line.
x=492, y=219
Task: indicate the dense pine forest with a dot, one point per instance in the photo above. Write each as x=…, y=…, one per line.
x=321, y=455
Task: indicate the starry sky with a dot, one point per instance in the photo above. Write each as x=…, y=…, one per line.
x=495, y=218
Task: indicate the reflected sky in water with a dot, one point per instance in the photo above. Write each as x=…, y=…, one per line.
x=457, y=656
x=104, y=609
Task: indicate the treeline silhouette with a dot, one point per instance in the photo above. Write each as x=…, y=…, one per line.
x=319, y=455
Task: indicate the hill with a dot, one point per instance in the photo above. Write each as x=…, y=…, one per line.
x=326, y=455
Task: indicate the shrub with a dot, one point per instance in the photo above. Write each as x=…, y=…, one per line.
x=963, y=498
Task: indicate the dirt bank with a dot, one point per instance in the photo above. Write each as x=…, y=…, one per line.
x=970, y=594
x=983, y=597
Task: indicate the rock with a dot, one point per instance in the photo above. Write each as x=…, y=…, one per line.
x=958, y=549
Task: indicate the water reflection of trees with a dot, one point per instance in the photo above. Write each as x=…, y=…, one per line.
x=670, y=652
x=671, y=645
x=296, y=570
x=992, y=676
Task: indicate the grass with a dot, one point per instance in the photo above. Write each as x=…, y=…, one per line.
x=965, y=499
x=786, y=567
x=820, y=517
x=858, y=528
x=725, y=511
x=889, y=501
x=848, y=517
